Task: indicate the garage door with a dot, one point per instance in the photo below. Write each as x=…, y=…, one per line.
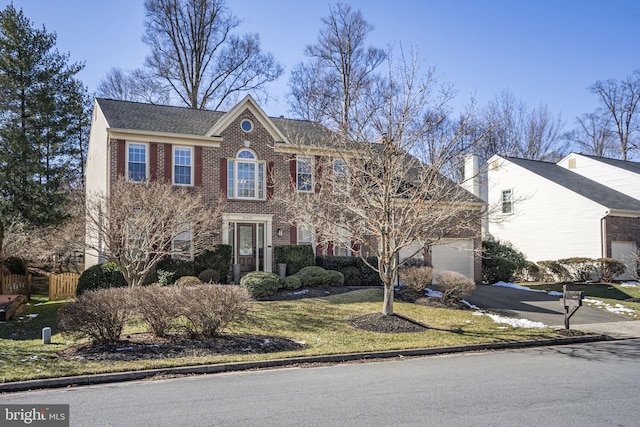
x=456, y=255
x=625, y=252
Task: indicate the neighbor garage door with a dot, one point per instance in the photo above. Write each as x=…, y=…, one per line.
x=456, y=255
x=625, y=252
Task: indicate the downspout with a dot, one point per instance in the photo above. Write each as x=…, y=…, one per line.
x=603, y=237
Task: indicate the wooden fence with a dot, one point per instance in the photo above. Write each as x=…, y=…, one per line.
x=14, y=284
x=63, y=285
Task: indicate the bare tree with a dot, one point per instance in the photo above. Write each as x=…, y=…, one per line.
x=194, y=51
x=138, y=224
x=340, y=69
x=373, y=197
x=593, y=135
x=620, y=101
x=136, y=85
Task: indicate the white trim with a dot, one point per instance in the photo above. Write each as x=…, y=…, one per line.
x=312, y=164
x=191, y=164
x=266, y=219
x=146, y=161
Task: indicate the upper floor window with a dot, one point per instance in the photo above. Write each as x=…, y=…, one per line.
x=183, y=165
x=137, y=162
x=507, y=201
x=246, y=176
x=304, y=176
x=339, y=175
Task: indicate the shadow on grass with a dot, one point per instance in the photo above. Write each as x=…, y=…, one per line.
x=28, y=323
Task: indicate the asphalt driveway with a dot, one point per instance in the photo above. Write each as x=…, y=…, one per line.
x=538, y=307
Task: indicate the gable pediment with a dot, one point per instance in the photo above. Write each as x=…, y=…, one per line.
x=248, y=103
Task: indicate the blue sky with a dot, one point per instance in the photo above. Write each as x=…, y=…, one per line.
x=543, y=51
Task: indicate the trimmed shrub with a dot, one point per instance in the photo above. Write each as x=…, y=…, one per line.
x=368, y=275
x=157, y=307
x=261, y=284
x=336, y=263
x=351, y=276
x=292, y=282
x=98, y=315
x=500, y=261
x=188, y=281
x=219, y=259
x=318, y=277
x=579, y=268
x=169, y=270
x=295, y=256
x=210, y=309
x=417, y=278
x=100, y=276
x=454, y=286
x=553, y=271
x=530, y=273
x=209, y=276
x=610, y=268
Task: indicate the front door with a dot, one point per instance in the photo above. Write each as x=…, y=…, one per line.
x=246, y=245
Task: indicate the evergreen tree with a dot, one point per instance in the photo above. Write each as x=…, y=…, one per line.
x=40, y=107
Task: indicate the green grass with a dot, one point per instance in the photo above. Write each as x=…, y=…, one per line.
x=321, y=323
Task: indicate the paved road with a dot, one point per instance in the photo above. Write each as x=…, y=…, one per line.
x=579, y=385
x=537, y=306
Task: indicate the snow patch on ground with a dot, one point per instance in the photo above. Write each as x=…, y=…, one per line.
x=514, y=286
x=630, y=284
x=433, y=294
x=516, y=323
x=618, y=308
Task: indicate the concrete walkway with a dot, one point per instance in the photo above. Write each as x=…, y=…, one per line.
x=540, y=307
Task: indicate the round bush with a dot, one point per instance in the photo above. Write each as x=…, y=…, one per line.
x=319, y=277
x=209, y=276
x=261, y=284
x=100, y=276
x=292, y=282
x=454, y=286
x=351, y=276
x=417, y=278
x=188, y=281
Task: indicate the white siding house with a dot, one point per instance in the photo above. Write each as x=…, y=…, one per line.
x=621, y=175
x=549, y=212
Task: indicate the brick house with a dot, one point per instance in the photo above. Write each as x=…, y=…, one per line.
x=237, y=155
x=582, y=206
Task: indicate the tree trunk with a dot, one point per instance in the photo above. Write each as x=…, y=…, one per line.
x=387, y=306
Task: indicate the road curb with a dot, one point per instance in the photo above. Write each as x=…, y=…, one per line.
x=83, y=380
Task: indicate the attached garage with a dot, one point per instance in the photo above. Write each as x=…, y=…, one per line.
x=454, y=255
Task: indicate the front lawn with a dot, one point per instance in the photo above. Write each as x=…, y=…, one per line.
x=321, y=324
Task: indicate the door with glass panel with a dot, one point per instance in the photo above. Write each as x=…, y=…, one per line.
x=246, y=245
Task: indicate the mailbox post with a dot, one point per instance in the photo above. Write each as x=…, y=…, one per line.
x=572, y=301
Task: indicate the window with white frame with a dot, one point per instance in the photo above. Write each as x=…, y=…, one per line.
x=339, y=176
x=137, y=162
x=136, y=246
x=304, y=177
x=246, y=176
x=183, y=165
x=343, y=245
x=182, y=243
x=306, y=234
x=507, y=201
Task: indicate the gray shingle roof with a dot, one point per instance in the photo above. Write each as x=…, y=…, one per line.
x=187, y=121
x=622, y=164
x=585, y=187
